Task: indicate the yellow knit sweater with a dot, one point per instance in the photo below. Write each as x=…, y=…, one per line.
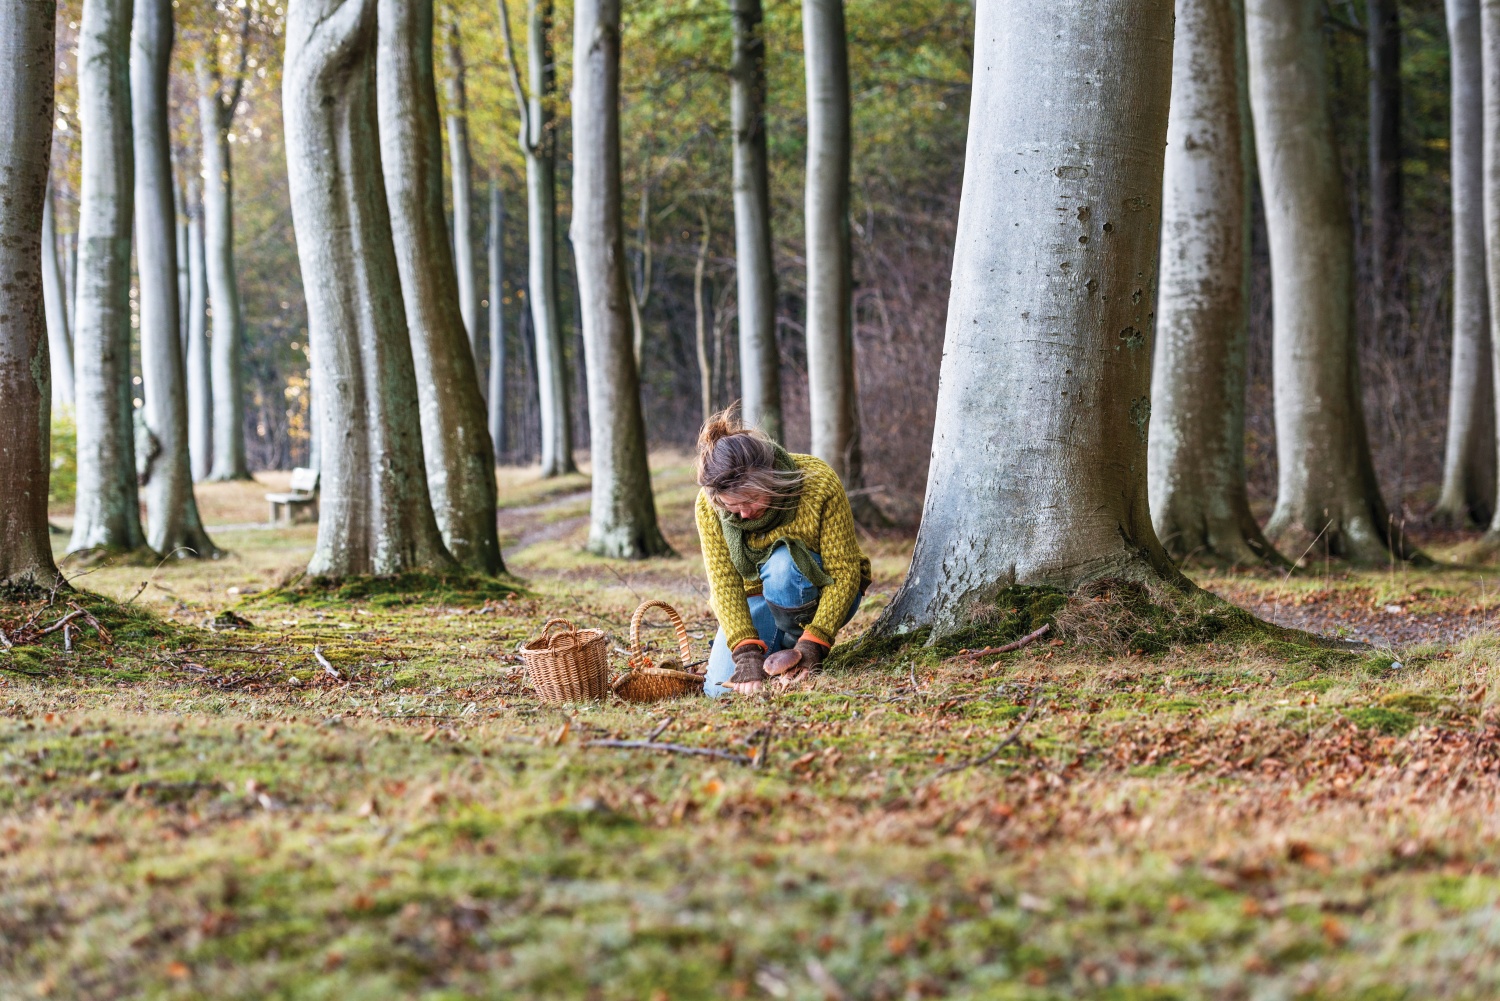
x=823, y=522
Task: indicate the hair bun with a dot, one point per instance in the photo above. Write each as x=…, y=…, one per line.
x=720, y=426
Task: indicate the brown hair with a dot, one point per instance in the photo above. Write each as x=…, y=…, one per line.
x=733, y=457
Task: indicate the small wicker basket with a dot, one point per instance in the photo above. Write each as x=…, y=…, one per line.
x=645, y=681
x=570, y=665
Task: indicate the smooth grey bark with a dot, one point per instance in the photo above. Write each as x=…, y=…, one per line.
x=495, y=398
x=199, y=374
x=760, y=360
x=622, y=515
x=455, y=439
x=70, y=281
x=375, y=515
x=183, y=291
x=640, y=290
x=1327, y=497
x=700, y=320
x=538, y=139
x=1038, y=471
x=463, y=196
x=833, y=406
x=1200, y=507
x=27, y=39
x=1469, y=465
x=1383, y=41
x=217, y=101
x=1489, y=45
x=173, y=527
x=59, y=336
x=107, y=510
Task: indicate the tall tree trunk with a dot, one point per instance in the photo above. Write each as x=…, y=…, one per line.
x=495, y=399
x=1489, y=55
x=455, y=441
x=622, y=516
x=700, y=321
x=70, y=283
x=107, y=509
x=173, y=526
x=59, y=334
x=1039, y=459
x=463, y=196
x=1384, y=40
x=1469, y=466
x=832, y=399
x=199, y=373
x=1196, y=455
x=375, y=513
x=27, y=39
x=539, y=146
x=216, y=107
x=639, y=296
x=1327, y=498
x=760, y=361
x=183, y=289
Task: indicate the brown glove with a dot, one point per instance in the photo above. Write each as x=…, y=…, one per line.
x=812, y=652
x=749, y=663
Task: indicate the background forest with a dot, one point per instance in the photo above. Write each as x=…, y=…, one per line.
x=910, y=67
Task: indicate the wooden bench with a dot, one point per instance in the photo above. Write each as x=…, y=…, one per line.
x=300, y=503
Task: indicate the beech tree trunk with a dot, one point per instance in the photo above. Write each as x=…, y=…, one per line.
x=1196, y=457
x=107, y=509
x=27, y=39
x=1469, y=465
x=1327, y=499
x=455, y=440
x=375, y=513
x=622, y=516
x=496, y=396
x=700, y=321
x=199, y=374
x=760, y=360
x=1383, y=26
x=538, y=140
x=59, y=335
x=173, y=526
x=216, y=107
x=832, y=398
x=463, y=197
x=1489, y=46
x=1038, y=469
x=183, y=291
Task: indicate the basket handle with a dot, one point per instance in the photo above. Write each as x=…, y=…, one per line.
x=638, y=658
x=547, y=637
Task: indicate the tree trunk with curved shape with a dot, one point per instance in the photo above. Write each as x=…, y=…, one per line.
x=832, y=398
x=173, y=527
x=463, y=196
x=455, y=440
x=59, y=335
x=106, y=514
x=375, y=516
x=1038, y=469
x=199, y=373
x=1383, y=44
x=217, y=101
x=622, y=515
x=538, y=138
x=1469, y=463
x=1196, y=457
x=1327, y=499
x=760, y=360
x=495, y=398
x=27, y=40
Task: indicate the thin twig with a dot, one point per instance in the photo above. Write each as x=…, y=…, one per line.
x=67, y=638
x=661, y=729
x=1026, y=640
x=318, y=654
x=647, y=745
x=5, y=640
x=994, y=752
x=219, y=649
x=61, y=622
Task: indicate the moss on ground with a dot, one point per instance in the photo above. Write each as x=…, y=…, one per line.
x=415, y=588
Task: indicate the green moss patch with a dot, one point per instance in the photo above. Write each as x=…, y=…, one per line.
x=415, y=588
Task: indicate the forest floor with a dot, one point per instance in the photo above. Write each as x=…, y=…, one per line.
x=196, y=813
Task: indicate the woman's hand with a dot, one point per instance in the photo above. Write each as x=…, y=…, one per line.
x=749, y=668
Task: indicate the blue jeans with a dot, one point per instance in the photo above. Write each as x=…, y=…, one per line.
x=781, y=584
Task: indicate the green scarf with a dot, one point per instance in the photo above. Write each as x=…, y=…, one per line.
x=737, y=531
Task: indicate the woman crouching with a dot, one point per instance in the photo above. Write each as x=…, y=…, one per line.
x=784, y=567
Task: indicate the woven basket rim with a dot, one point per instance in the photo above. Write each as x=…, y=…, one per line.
x=529, y=647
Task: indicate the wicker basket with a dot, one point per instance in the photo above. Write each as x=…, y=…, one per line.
x=570, y=665
x=647, y=682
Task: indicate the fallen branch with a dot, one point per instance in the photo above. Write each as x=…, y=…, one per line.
x=994, y=752
x=318, y=653
x=61, y=622
x=4, y=639
x=219, y=649
x=649, y=745
x=661, y=729
x=1026, y=640
x=104, y=636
